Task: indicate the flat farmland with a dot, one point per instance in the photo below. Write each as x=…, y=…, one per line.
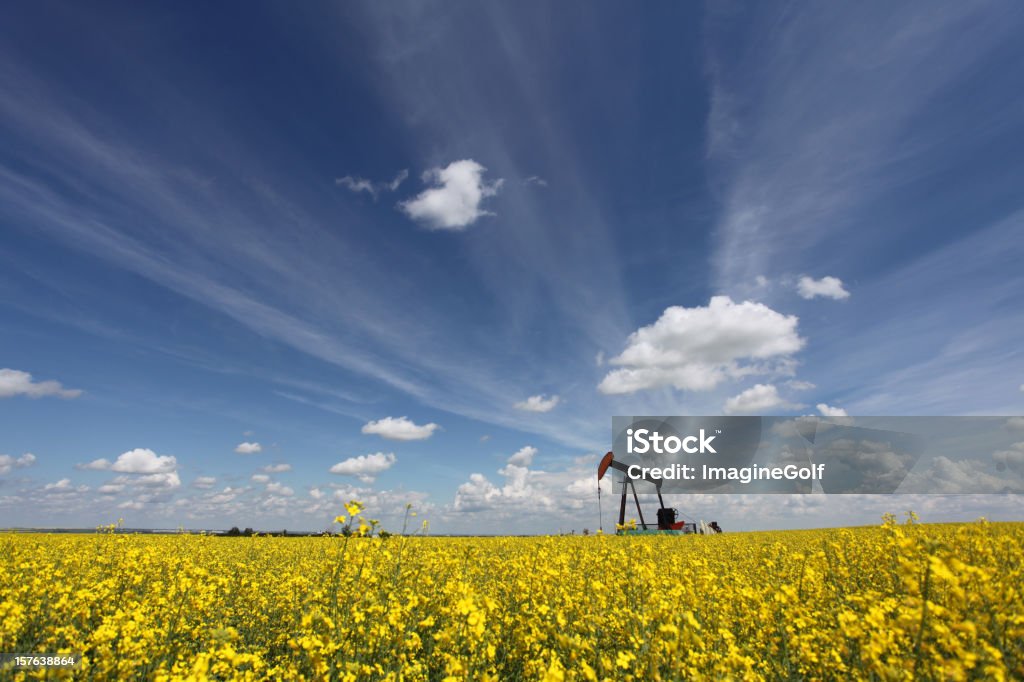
x=897, y=601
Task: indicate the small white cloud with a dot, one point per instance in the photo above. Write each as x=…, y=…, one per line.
x=697, y=348
x=279, y=489
x=523, y=457
x=827, y=287
x=535, y=180
x=757, y=398
x=484, y=438
x=110, y=488
x=829, y=411
x=14, y=382
x=204, y=482
x=248, y=448
x=761, y=281
x=137, y=461
x=166, y=480
x=260, y=478
x=8, y=462
x=599, y=358
x=454, y=202
x=276, y=468
x=538, y=403
x=366, y=467
x=62, y=484
x=797, y=385
x=374, y=189
x=399, y=428
x=316, y=493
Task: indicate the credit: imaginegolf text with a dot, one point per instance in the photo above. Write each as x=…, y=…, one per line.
x=686, y=472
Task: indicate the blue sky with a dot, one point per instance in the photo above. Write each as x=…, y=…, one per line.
x=435, y=247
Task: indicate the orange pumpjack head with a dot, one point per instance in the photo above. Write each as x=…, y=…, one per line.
x=606, y=462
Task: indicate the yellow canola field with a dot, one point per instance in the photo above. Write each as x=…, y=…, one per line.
x=899, y=601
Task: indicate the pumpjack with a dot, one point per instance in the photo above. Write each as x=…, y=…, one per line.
x=666, y=515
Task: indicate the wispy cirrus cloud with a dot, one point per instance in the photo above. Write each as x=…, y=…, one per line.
x=804, y=132
x=374, y=189
x=288, y=290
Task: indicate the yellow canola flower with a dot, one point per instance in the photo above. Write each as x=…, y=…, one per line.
x=898, y=601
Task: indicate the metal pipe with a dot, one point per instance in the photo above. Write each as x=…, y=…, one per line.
x=638, y=510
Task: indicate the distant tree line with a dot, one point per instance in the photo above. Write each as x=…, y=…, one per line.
x=346, y=531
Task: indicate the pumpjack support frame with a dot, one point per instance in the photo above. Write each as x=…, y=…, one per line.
x=608, y=461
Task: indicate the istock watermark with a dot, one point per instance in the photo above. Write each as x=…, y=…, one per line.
x=864, y=455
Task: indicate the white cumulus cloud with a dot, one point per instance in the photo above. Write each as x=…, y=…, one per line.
x=454, y=202
x=366, y=467
x=826, y=287
x=523, y=457
x=830, y=411
x=757, y=398
x=538, y=403
x=526, y=492
x=276, y=468
x=1014, y=456
x=399, y=428
x=14, y=382
x=697, y=348
x=137, y=461
x=248, y=448
x=8, y=462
